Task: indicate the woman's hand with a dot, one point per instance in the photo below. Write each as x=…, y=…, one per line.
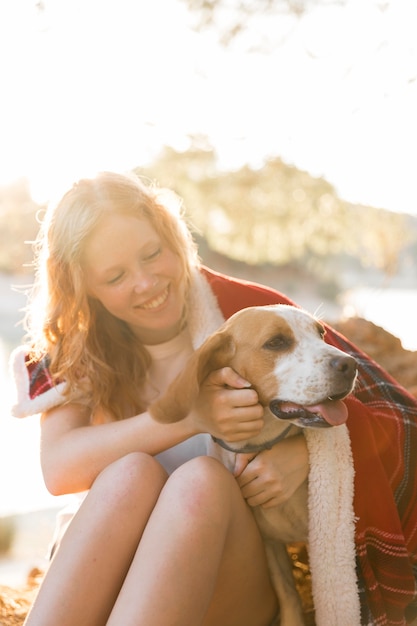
x=272, y=476
x=227, y=407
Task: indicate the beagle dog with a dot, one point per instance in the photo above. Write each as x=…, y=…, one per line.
x=301, y=382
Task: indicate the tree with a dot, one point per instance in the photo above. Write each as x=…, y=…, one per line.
x=18, y=227
x=277, y=214
x=231, y=18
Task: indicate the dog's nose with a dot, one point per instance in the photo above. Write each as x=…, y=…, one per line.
x=345, y=364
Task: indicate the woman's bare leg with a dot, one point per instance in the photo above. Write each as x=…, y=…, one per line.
x=201, y=560
x=88, y=569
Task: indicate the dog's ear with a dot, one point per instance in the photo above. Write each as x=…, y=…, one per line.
x=215, y=353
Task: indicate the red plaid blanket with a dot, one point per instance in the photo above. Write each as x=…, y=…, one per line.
x=383, y=427
x=40, y=379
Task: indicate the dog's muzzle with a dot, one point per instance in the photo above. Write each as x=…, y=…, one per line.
x=299, y=415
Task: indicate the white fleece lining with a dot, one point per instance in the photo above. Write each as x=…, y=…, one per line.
x=205, y=316
x=332, y=527
x=331, y=516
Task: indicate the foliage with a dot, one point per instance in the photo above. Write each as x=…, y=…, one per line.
x=7, y=534
x=277, y=214
x=230, y=18
x=18, y=227
x=273, y=215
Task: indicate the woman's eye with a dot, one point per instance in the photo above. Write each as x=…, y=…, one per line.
x=154, y=255
x=115, y=280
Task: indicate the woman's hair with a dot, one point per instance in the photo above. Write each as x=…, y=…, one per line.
x=94, y=352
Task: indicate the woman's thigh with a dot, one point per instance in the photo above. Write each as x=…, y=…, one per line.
x=136, y=478
x=243, y=594
x=95, y=551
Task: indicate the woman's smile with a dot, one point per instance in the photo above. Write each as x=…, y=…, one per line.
x=155, y=302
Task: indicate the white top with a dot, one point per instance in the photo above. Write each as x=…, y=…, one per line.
x=168, y=360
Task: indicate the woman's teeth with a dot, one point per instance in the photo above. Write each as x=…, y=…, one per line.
x=156, y=302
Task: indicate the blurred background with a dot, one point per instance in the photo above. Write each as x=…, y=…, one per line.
x=288, y=127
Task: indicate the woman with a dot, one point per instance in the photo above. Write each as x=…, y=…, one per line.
x=158, y=537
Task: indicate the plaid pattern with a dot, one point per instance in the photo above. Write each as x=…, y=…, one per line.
x=383, y=427
x=40, y=379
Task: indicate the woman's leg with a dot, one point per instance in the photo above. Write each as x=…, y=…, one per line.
x=201, y=560
x=88, y=569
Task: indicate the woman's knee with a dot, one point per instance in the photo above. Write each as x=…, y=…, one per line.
x=130, y=476
x=204, y=472
x=204, y=485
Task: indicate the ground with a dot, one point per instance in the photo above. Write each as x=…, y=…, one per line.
x=15, y=603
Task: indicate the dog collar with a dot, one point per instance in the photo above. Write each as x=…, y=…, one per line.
x=267, y=445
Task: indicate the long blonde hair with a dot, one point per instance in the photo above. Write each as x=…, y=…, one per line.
x=94, y=352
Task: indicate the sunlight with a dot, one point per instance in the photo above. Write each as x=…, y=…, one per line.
x=94, y=85
x=392, y=309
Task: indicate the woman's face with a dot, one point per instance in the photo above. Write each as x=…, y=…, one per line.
x=136, y=277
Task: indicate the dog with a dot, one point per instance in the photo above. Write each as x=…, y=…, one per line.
x=301, y=382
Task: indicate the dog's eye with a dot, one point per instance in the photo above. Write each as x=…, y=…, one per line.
x=278, y=343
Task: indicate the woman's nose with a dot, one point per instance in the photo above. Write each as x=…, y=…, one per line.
x=143, y=280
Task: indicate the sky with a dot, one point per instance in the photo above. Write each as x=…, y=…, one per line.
x=104, y=84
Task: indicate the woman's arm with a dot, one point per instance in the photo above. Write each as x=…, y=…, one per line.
x=74, y=452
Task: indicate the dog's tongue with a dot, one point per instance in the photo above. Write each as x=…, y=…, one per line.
x=333, y=411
